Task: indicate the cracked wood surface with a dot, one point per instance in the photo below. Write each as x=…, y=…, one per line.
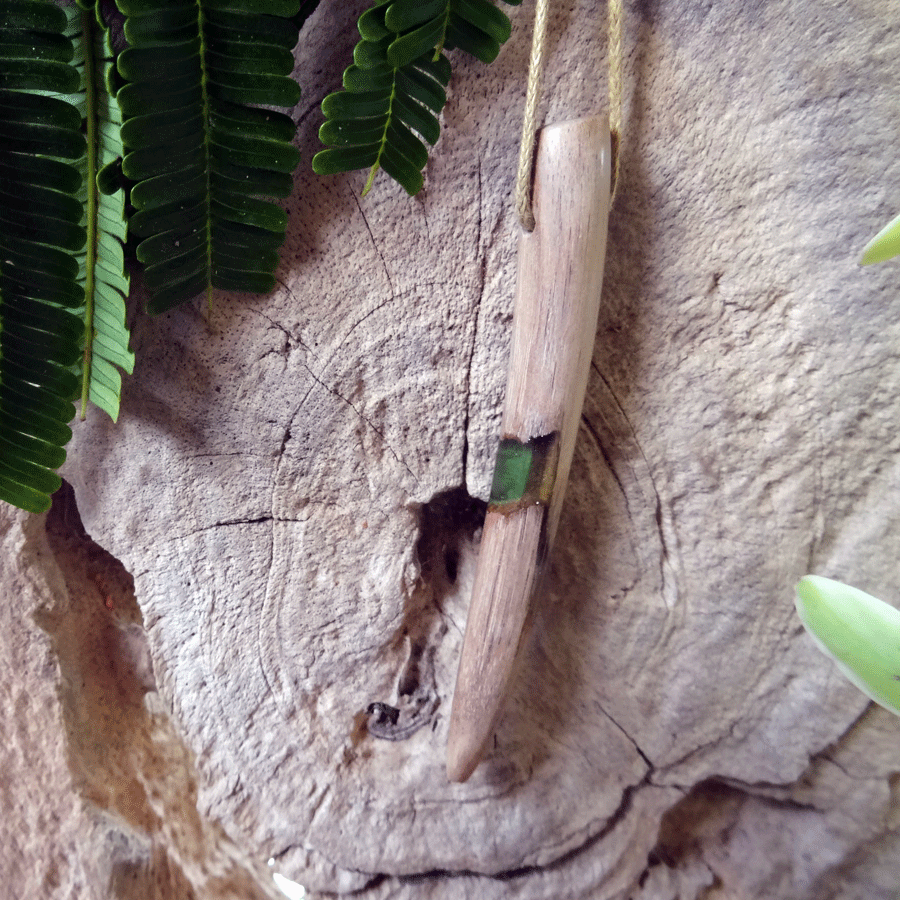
x=296, y=482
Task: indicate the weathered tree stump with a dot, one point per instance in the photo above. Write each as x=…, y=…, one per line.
x=296, y=482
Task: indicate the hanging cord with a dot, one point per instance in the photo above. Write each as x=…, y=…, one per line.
x=615, y=19
x=529, y=122
x=615, y=61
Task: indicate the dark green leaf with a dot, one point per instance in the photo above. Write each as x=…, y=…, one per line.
x=345, y=159
x=411, y=45
x=419, y=86
x=15, y=489
x=180, y=156
x=56, y=379
x=182, y=215
x=226, y=234
x=179, y=268
x=472, y=40
x=438, y=69
x=356, y=106
x=247, y=180
x=34, y=449
x=59, y=348
x=138, y=99
x=40, y=260
x=172, y=24
x=417, y=117
x=249, y=259
x=165, y=190
x=252, y=120
x=372, y=54
x=403, y=141
x=177, y=292
x=251, y=211
x=169, y=245
x=45, y=428
x=30, y=16
x=110, y=178
x=252, y=282
x=403, y=15
x=43, y=229
x=352, y=132
x=33, y=199
x=143, y=7
x=246, y=150
x=401, y=170
x=251, y=59
x=34, y=45
x=283, y=8
x=484, y=16
x=371, y=22
x=156, y=65
x=37, y=109
x=242, y=28
x=154, y=130
x=51, y=173
x=39, y=397
x=38, y=285
x=378, y=80
x=276, y=90
x=38, y=75
x=42, y=139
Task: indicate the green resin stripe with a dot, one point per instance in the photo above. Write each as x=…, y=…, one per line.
x=525, y=473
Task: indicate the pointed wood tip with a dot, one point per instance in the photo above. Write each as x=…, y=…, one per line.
x=464, y=751
x=504, y=579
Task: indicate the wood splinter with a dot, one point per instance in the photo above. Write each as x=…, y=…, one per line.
x=560, y=274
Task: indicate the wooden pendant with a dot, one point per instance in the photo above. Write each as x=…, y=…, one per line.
x=560, y=276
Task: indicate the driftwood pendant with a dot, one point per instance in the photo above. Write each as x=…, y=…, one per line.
x=560, y=276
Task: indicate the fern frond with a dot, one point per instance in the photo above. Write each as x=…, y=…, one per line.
x=395, y=90
x=478, y=28
x=203, y=152
x=40, y=220
x=102, y=263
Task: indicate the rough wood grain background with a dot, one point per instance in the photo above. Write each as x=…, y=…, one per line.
x=296, y=481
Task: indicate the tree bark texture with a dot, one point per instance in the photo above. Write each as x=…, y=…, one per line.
x=283, y=524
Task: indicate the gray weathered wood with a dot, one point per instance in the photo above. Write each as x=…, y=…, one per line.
x=271, y=487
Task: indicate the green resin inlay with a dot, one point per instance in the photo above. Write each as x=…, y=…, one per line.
x=511, y=471
x=525, y=473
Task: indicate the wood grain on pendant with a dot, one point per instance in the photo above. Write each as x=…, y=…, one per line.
x=560, y=275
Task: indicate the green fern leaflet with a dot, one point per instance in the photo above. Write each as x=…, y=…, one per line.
x=101, y=265
x=40, y=229
x=202, y=151
x=396, y=88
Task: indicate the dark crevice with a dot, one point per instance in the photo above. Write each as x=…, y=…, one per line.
x=526, y=871
x=446, y=523
x=128, y=762
x=606, y=459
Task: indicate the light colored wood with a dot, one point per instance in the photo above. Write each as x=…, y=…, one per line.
x=558, y=290
x=558, y=298
x=493, y=631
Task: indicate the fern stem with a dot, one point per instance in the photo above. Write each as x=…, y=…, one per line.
x=387, y=124
x=439, y=49
x=90, y=261
x=204, y=93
